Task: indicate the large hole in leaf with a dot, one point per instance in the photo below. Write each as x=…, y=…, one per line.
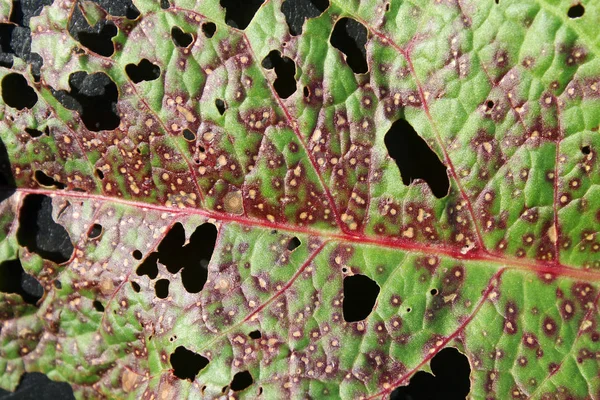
x=38, y=231
x=360, y=295
x=17, y=93
x=450, y=379
x=297, y=11
x=576, y=11
x=415, y=159
x=350, y=36
x=13, y=279
x=241, y=381
x=187, y=364
x=47, y=181
x=285, y=69
x=143, y=71
x=180, y=38
x=239, y=13
x=97, y=38
x=94, y=97
x=35, y=385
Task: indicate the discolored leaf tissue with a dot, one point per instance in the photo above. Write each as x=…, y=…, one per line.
x=204, y=198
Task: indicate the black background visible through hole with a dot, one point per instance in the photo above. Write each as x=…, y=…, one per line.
x=415, y=159
x=576, y=11
x=360, y=295
x=13, y=279
x=451, y=380
x=285, y=69
x=181, y=38
x=143, y=71
x=7, y=180
x=37, y=386
x=297, y=11
x=17, y=93
x=239, y=13
x=241, y=381
x=187, y=364
x=350, y=36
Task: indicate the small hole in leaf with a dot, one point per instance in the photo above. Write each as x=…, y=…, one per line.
x=95, y=232
x=350, y=36
x=201, y=149
x=241, y=381
x=44, y=180
x=576, y=11
x=255, y=334
x=34, y=132
x=99, y=173
x=449, y=379
x=137, y=254
x=57, y=284
x=164, y=4
x=17, y=93
x=187, y=364
x=38, y=231
x=387, y=7
x=586, y=150
x=239, y=13
x=344, y=270
x=180, y=38
x=135, y=286
x=220, y=104
x=209, y=29
x=433, y=292
x=297, y=11
x=189, y=135
x=489, y=104
x=415, y=159
x=13, y=279
x=360, y=295
x=306, y=91
x=285, y=69
x=198, y=253
x=408, y=309
x=143, y=71
x=161, y=288
x=293, y=244
x=98, y=306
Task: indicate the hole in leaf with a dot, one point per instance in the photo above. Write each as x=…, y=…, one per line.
x=450, y=379
x=99, y=173
x=97, y=38
x=344, y=270
x=189, y=135
x=94, y=97
x=387, y=7
x=285, y=69
x=34, y=133
x=239, y=13
x=255, y=334
x=148, y=266
x=350, y=36
x=586, y=150
x=57, y=284
x=293, y=244
x=297, y=11
x=38, y=231
x=164, y=4
x=121, y=8
x=144, y=71
x=180, y=38
x=44, y=180
x=576, y=11
x=433, y=292
x=408, y=309
x=220, y=104
x=306, y=91
x=95, y=232
x=209, y=29
x=137, y=254
x=415, y=159
x=187, y=364
x=98, y=306
x=135, y=286
x=17, y=93
x=241, y=381
x=161, y=288
x=13, y=279
x=360, y=295
x=489, y=104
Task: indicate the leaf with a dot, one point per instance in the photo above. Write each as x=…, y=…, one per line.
x=308, y=199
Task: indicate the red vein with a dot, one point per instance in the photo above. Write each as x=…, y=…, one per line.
x=484, y=296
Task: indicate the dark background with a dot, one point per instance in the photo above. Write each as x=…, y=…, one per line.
x=451, y=369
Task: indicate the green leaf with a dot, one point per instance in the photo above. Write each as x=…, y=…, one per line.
x=505, y=266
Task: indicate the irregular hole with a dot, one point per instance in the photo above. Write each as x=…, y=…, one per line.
x=285, y=69
x=135, y=286
x=161, y=288
x=99, y=173
x=187, y=364
x=143, y=71
x=44, y=180
x=148, y=266
x=220, y=104
x=121, y=8
x=13, y=279
x=209, y=29
x=415, y=159
x=164, y=4
x=293, y=244
x=586, y=150
x=189, y=135
x=449, y=379
x=241, y=381
x=34, y=133
x=38, y=231
x=360, y=295
x=180, y=38
x=350, y=36
x=576, y=11
x=97, y=38
x=95, y=231
x=255, y=334
x=199, y=252
x=17, y=93
x=297, y=11
x=433, y=292
x=6, y=50
x=39, y=386
x=98, y=306
x=239, y=13
x=94, y=97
